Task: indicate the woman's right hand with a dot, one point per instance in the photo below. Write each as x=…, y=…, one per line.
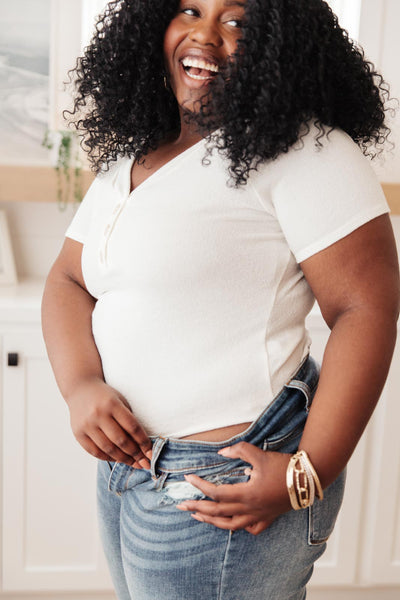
x=103, y=424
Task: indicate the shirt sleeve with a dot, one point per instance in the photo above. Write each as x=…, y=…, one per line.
x=320, y=195
x=79, y=227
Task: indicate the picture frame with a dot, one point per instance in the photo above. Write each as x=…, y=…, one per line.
x=8, y=273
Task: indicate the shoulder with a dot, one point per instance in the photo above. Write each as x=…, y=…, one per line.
x=314, y=147
x=322, y=193
x=315, y=165
x=115, y=174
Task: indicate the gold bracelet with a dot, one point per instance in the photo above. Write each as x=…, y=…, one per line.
x=302, y=481
x=303, y=484
x=295, y=489
x=311, y=485
x=290, y=485
x=318, y=486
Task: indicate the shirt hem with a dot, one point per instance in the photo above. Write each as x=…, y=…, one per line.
x=341, y=232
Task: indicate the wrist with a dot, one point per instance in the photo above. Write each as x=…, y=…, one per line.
x=80, y=386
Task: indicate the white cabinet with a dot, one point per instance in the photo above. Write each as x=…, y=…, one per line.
x=49, y=530
x=381, y=548
x=339, y=564
x=364, y=550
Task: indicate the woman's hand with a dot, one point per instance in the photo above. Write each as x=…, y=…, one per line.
x=252, y=505
x=103, y=424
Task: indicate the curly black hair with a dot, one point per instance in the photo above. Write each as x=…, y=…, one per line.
x=294, y=63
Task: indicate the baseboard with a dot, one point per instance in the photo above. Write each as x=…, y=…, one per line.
x=56, y=596
x=382, y=593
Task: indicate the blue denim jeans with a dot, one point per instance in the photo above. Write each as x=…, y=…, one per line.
x=157, y=552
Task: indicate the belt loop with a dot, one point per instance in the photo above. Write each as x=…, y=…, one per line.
x=158, y=445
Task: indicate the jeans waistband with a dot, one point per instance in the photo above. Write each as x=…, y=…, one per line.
x=174, y=455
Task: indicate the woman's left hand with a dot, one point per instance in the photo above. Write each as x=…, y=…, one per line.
x=252, y=505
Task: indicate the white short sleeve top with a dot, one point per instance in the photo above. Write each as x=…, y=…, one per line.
x=201, y=301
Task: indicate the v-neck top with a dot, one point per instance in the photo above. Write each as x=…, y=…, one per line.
x=201, y=301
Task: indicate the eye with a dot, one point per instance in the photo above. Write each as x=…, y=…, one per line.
x=234, y=23
x=192, y=12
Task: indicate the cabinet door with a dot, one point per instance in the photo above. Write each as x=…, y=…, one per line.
x=338, y=565
x=365, y=545
x=49, y=534
x=381, y=548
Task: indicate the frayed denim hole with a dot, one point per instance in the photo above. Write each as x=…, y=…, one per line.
x=176, y=491
x=232, y=477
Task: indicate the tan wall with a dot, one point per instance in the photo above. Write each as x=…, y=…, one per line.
x=39, y=184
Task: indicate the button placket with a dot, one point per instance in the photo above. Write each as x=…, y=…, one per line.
x=108, y=231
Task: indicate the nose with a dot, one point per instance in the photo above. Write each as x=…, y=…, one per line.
x=206, y=32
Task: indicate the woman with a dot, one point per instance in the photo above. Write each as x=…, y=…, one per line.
x=174, y=314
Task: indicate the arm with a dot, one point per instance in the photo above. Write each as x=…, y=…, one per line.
x=359, y=301
x=101, y=419
x=356, y=283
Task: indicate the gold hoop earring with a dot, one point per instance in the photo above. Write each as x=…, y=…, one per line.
x=165, y=82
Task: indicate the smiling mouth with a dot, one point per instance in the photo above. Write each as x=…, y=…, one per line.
x=199, y=69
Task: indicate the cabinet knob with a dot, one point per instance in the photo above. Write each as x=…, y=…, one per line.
x=12, y=359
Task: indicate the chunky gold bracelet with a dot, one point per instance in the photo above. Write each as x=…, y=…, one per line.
x=290, y=484
x=318, y=486
x=302, y=481
x=308, y=501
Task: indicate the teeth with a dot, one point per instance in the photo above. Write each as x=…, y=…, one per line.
x=199, y=63
x=197, y=76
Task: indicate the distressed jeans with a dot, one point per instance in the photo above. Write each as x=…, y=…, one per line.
x=157, y=552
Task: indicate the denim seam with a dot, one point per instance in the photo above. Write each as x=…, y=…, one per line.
x=160, y=481
x=303, y=387
x=115, y=479
x=191, y=469
x=312, y=540
x=228, y=543
x=284, y=438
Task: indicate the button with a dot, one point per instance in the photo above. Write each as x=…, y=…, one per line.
x=107, y=230
x=116, y=209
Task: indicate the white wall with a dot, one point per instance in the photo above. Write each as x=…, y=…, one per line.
x=379, y=36
x=37, y=229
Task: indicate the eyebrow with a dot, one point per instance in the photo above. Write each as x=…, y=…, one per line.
x=234, y=3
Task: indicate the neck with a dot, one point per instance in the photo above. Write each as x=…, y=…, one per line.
x=189, y=133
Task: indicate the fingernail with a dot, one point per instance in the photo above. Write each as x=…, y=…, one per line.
x=197, y=517
x=182, y=507
x=145, y=463
x=224, y=451
x=149, y=454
